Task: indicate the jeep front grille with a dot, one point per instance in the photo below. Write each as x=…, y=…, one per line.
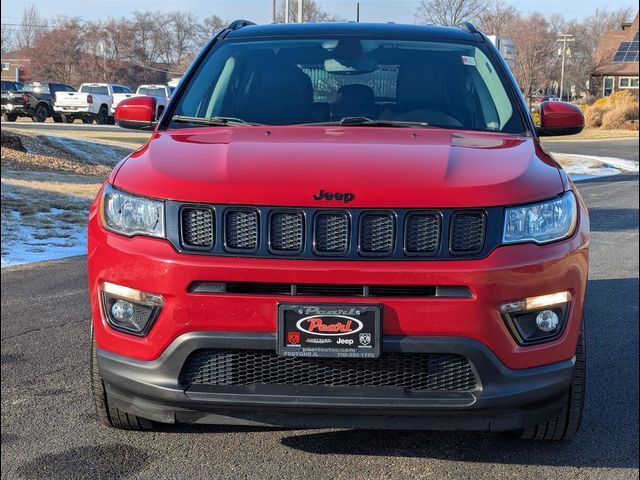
x=318, y=233
x=412, y=371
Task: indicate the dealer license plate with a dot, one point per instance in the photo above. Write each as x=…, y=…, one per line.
x=329, y=330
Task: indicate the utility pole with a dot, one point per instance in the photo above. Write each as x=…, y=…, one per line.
x=564, y=38
x=300, y=7
x=273, y=11
x=357, y=12
x=286, y=11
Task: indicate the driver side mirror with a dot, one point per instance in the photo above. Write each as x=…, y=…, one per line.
x=560, y=118
x=137, y=113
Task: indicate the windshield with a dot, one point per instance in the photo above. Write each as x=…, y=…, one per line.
x=95, y=89
x=305, y=81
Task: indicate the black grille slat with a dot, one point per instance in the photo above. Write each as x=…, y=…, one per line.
x=315, y=290
x=198, y=227
x=402, y=291
x=411, y=371
x=377, y=233
x=332, y=233
x=241, y=229
x=422, y=233
x=287, y=231
x=331, y=290
x=467, y=232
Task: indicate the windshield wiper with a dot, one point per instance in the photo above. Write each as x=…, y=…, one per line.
x=367, y=122
x=223, y=121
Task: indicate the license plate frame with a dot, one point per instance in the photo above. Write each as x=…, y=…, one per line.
x=329, y=330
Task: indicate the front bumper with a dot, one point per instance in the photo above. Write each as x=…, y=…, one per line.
x=21, y=110
x=504, y=399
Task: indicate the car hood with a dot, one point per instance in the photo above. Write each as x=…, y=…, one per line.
x=380, y=167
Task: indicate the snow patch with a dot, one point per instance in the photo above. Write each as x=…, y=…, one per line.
x=585, y=167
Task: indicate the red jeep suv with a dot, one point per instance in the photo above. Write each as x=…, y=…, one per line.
x=342, y=225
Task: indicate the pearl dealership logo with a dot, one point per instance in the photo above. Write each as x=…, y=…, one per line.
x=329, y=325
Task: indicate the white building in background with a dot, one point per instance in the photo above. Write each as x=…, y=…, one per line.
x=507, y=49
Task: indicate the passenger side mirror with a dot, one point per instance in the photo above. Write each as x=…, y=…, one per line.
x=560, y=118
x=137, y=113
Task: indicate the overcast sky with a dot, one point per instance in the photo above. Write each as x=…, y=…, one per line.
x=259, y=11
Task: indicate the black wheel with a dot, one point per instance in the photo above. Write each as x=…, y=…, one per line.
x=57, y=119
x=9, y=117
x=87, y=120
x=567, y=424
x=111, y=416
x=41, y=113
x=67, y=118
x=103, y=116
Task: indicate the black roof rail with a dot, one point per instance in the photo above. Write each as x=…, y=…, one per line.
x=238, y=24
x=468, y=27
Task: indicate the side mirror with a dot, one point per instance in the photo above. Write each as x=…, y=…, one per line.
x=138, y=113
x=560, y=118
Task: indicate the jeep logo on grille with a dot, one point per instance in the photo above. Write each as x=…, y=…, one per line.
x=345, y=197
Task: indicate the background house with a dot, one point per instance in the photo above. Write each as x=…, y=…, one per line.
x=616, y=61
x=16, y=66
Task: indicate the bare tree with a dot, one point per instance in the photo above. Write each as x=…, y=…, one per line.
x=311, y=12
x=58, y=56
x=450, y=12
x=7, y=38
x=208, y=28
x=31, y=27
x=498, y=18
x=536, y=52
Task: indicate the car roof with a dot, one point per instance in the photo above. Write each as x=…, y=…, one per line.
x=382, y=30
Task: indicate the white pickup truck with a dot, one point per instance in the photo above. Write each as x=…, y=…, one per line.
x=93, y=101
x=162, y=94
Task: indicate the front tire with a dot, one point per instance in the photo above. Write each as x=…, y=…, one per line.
x=567, y=423
x=108, y=415
x=87, y=120
x=9, y=117
x=40, y=114
x=67, y=118
x=103, y=116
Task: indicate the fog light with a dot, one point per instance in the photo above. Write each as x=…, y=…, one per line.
x=537, y=319
x=547, y=320
x=129, y=310
x=122, y=311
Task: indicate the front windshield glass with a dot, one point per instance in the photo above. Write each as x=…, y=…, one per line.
x=305, y=81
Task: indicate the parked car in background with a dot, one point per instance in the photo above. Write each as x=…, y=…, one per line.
x=35, y=100
x=92, y=102
x=8, y=90
x=162, y=94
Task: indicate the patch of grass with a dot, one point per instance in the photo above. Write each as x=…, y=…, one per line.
x=597, y=134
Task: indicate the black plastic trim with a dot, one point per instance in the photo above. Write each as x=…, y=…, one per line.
x=505, y=398
x=494, y=218
x=301, y=289
x=394, y=220
x=454, y=214
x=412, y=213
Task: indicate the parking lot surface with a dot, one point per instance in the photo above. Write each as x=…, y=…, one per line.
x=49, y=430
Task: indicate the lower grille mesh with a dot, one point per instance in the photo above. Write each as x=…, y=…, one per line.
x=413, y=371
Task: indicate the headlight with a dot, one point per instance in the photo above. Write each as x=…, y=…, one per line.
x=541, y=222
x=130, y=215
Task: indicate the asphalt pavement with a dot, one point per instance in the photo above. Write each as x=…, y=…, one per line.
x=626, y=149
x=50, y=431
